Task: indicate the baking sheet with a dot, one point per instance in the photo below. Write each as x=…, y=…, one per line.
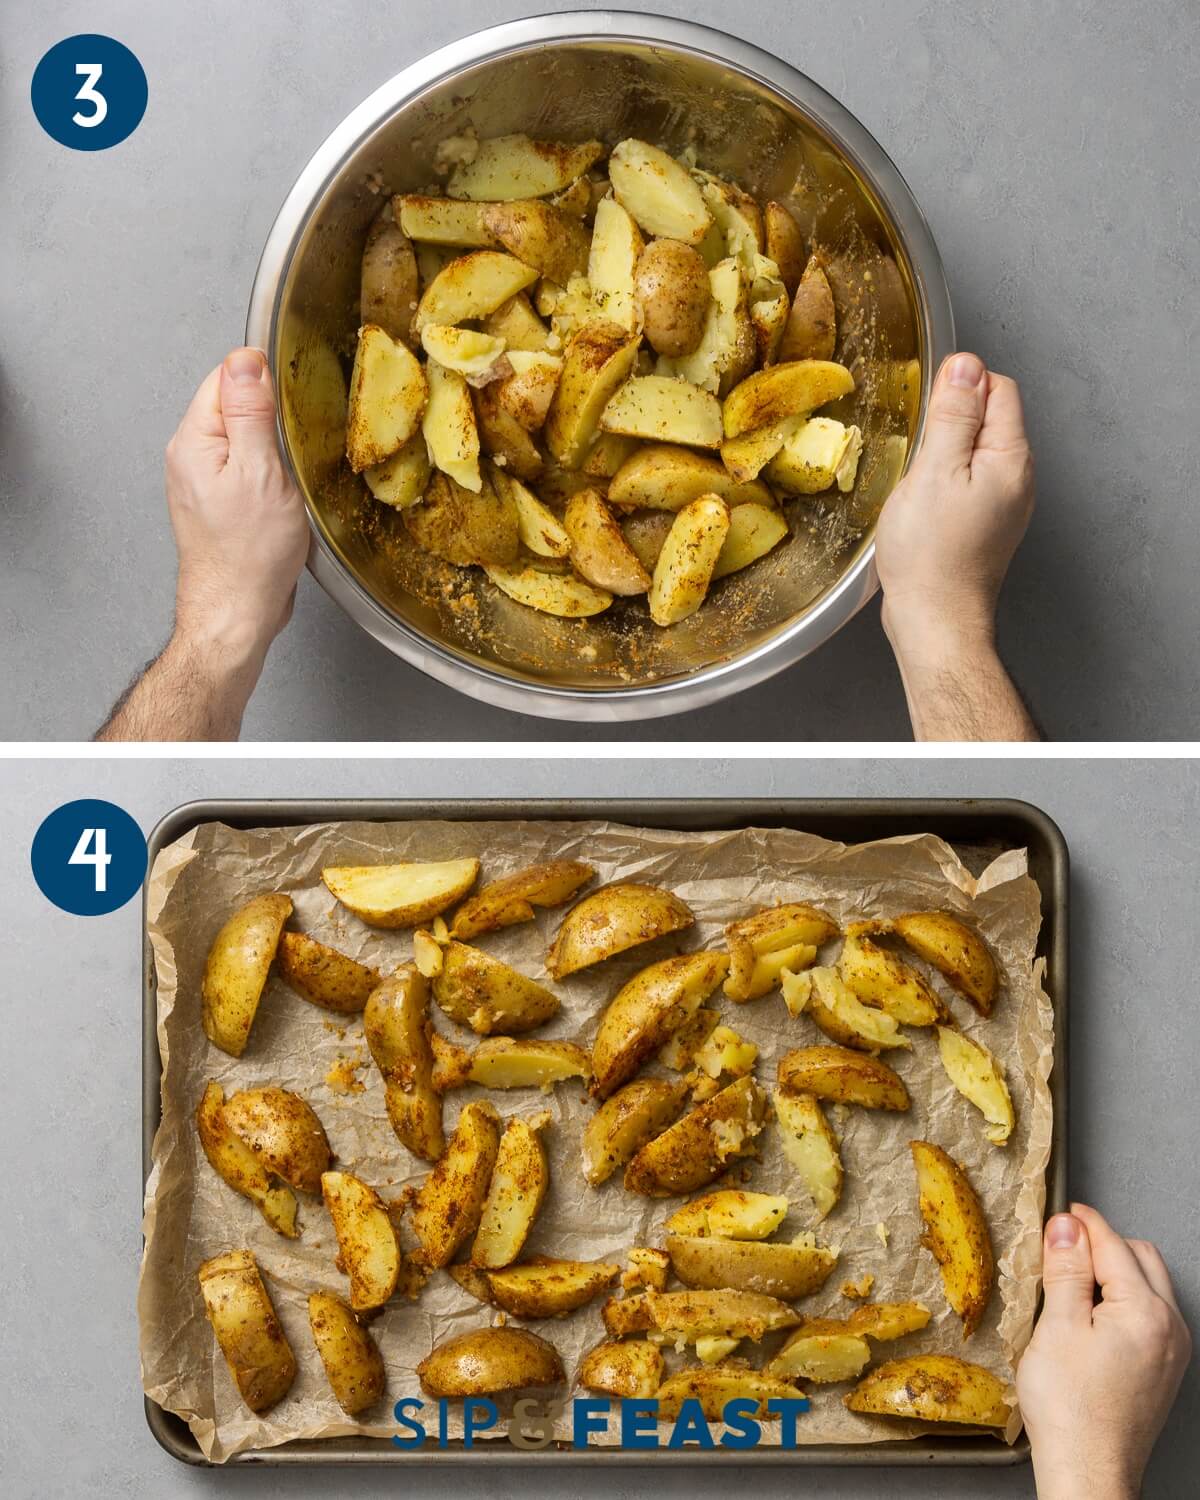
x=191, y=1214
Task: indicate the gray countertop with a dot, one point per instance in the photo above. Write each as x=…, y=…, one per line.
x=70, y=1108
x=1051, y=146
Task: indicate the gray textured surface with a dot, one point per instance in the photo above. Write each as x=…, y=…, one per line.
x=1048, y=143
x=70, y=1110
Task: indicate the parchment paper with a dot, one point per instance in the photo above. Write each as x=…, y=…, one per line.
x=191, y=1214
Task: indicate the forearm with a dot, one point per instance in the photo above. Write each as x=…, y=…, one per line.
x=1057, y=1478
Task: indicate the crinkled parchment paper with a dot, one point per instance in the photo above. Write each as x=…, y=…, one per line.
x=191, y=1214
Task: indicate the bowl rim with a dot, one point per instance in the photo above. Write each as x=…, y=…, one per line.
x=706, y=685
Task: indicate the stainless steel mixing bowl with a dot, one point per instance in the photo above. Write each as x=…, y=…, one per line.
x=748, y=116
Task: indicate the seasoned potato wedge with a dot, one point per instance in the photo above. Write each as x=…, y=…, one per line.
x=465, y=351
x=645, y=532
x=766, y=1267
x=236, y=970
x=518, y=325
x=888, y=1320
x=612, y=920
x=724, y=1311
x=505, y=902
x=811, y=331
x=979, y=1077
x=664, y=410
x=389, y=277
x=658, y=193
x=441, y=221
x=736, y=215
x=449, y=427
x=234, y=1161
x=538, y=234
x=353, y=1363
x=526, y=394
x=811, y=1146
x=745, y=457
x=513, y=166
x=283, y=1132
x=932, y=1388
x=785, y=244
x=647, y=1269
x=368, y=1250
x=599, y=550
x=785, y=390
x=388, y=395
x=844, y=1076
x=546, y=1288
x=503, y=438
x=701, y=1145
x=683, y=1044
x=514, y=1196
x=401, y=480
x=727, y=348
x=663, y=476
x=488, y=1360
x=731, y=1214
x=956, y=952
x=776, y=929
x=483, y=993
x=612, y=262
x=647, y=1011
x=688, y=559
x=502, y=1062
x=629, y=1368
x=714, y=1387
x=449, y=1202
x=815, y=455
x=553, y=593
x=672, y=290
x=599, y=358
x=769, y=315
x=956, y=1232
x=754, y=530
x=540, y=530
x=400, y=895
x=472, y=286
x=397, y=1029
x=323, y=976
x=879, y=978
x=465, y=527
x=823, y=1358
x=243, y=1318
x=625, y=1315
x=821, y=994
x=625, y=1122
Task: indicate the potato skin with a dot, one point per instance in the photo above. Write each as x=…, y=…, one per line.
x=389, y=284
x=843, y=1076
x=489, y=1360
x=462, y=527
x=671, y=283
x=543, y=1287
x=503, y=903
x=774, y=1269
x=625, y=1122
x=599, y=550
x=238, y=1165
x=956, y=952
x=236, y=970
x=612, y=920
x=785, y=245
x=396, y=1025
x=932, y=1388
x=353, y=1363
x=698, y=1148
x=879, y=977
x=450, y=1200
x=368, y=1249
x=479, y=991
x=715, y=1386
x=540, y=235
x=631, y=1368
x=518, y=1185
x=811, y=328
x=956, y=1232
x=323, y=976
x=284, y=1132
x=243, y=1318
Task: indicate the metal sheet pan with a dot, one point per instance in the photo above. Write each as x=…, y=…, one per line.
x=978, y=828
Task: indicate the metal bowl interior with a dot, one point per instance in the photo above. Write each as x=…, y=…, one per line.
x=697, y=91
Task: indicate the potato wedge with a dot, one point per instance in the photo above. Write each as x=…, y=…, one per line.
x=632, y=1368
x=715, y=1387
x=255, y=1347
x=932, y=1388
x=283, y=1131
x=785, y=245
x=465, y=527
x=823, y=1358
x=888, y=1320
x=612, y=262
x=540, y=530
x=388, y=395
x=672, y=289
x=811, y=330
x=612, y=920
x=559, y=594
x=701, y=1145
x=441, y=221
x=575, y=199
x=448, y=1204
x=956, y=1232
x=979, y=1077
x=502, y=1062
x=513, y=166
x=775, y=929
x=353, y=1363
x=839, y=1013
x=368, y=1250
x=514, y=1196
x=464, y=351
x=472, y=286
x=843, y=1076
x=502, y=437
x=234, y=1160
x=722, y=1054
x=664, y=410
x=489, y=1360
x=400, y=895
x=683, y=1044
x=812, y=1148
x=728, y=1312
x=539, y=235
x=599, y=550
x=817, y=454
x=647, y=1010
x=397, y=1029
x=599, y=358
x=518, y=325
x=745, y=457
x=769, y=316
x=754, y=530
x=659, y=194
x=765, y=1267
x=736, y=215
x=481, y=992
x=323, y=976
x=625, y=1315
x=401, y=480
x=236, y=970
x=785, y=390
x=449, y=427
x=389, y=285
x=647, y=1269
x=663, y=476
x=505, y=902
x=527, y=393
x=731, y=1214
x=608, y=453
x=546, y=1288
x=880, y=978
x=727, y=349
x=688, y=558
x=957, y=953
x=625, y=1122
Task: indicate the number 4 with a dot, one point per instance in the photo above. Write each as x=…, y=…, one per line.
x=90, y=72
x=99, y=856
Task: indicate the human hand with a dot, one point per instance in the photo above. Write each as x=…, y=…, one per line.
x=1097, y=1381
x=239, y=522
x=948, y=531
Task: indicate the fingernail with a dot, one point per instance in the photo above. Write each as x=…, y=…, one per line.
x=1062, y=1232
x=966, y=370
x=244, y=364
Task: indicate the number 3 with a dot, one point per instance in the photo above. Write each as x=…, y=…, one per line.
x=99, y=857
x=90, y=72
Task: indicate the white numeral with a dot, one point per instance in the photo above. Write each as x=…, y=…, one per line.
x=90, y=72
x=98, y=856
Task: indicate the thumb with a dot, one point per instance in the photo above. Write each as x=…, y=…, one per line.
x=1068, y=1276
x=248, y=405
x=956, y=410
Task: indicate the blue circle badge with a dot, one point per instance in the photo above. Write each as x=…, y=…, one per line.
x=88, y=857
x=89, y=92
